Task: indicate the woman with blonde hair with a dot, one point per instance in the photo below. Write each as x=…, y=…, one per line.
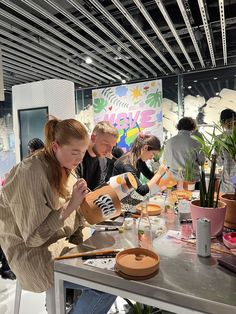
x=38, y=212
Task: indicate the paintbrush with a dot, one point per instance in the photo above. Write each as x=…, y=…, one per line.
x=75, y=176
x=91, y=253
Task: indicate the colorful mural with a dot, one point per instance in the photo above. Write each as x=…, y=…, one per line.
x=131, y=109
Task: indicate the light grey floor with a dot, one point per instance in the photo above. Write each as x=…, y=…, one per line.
x=31, y=303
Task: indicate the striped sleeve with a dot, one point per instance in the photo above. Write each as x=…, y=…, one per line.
x=35, y=219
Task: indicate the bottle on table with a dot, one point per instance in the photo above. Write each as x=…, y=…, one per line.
x=180, y=179
x=169, y=207
x=144, y=228
x=203, y=237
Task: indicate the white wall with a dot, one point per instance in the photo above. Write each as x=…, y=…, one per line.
x=57, y=95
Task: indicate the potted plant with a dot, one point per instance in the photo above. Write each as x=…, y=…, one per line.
x=139, y=308
x=228, y=142
x=189, y=175
x=209, y=205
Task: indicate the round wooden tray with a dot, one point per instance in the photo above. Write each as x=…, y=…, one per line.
x=135, y=277
x=153, y=209
x=137, y=262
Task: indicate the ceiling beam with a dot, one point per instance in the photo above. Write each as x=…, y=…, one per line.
x=135, y=25
x=190, y=30
x=207, y=30
x=121, y=29
x=223, y=32
x=174, y=32
x=157, y=31
x=106, y=31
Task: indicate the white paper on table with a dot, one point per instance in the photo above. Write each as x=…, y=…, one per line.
x=104, y=263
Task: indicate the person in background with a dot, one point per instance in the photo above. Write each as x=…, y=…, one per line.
x=144, y=148
x=93, y=168
x=39, y=213
x=228, y=122
x=34, y=145
x=117, y=152
x=181, y=147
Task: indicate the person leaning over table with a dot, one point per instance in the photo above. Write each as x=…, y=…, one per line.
x=144, y=148
x=94, y=166
x=38, y=213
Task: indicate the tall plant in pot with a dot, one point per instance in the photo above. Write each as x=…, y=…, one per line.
x=228, y=142
x=209, y=205
x=189, y=175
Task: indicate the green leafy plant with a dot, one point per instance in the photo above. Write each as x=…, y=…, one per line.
x=154, y=99
x=211, y=148
x=99, y=104
x=139, y=308
x=189, y=171
x=228, y=142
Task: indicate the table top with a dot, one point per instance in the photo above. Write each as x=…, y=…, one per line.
x=184, y=278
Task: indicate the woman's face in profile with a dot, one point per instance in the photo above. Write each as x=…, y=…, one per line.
x=148, y=154
x=70, y=155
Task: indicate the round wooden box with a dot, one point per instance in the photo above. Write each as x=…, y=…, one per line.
x=137, y=262
x=100, y=205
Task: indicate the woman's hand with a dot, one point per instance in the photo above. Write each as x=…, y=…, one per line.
x=79, y=191
x=78, y=194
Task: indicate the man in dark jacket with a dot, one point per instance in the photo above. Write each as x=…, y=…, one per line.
x=94, y=166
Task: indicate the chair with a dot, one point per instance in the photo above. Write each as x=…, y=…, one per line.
x=50, y=299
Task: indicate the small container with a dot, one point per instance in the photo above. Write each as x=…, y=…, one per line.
x=186, y=231
x=128, y=223
x=203, y=237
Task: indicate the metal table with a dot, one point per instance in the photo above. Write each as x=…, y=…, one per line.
x=185, y=283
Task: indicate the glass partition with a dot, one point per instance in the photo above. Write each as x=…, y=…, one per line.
x=31, y=124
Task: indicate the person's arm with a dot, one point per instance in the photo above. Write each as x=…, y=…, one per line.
x=36, y=220
x=143, y=168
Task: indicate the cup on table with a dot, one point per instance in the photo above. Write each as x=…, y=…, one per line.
x=186, y=231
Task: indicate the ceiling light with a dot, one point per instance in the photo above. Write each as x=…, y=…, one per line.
x=189, y=87
x=88, y=60
x=215, y=78
x=123, y=81
x=195, y=81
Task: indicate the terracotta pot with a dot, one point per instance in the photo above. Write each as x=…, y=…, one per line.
x=137, y=262
x=189, y=185
x=215, y=215
x=230, y=217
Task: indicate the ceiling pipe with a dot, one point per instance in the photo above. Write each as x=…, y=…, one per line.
x=153, y=25
x=190, y=30
x=54, y=41
x=56, y=64
x=207, y=31
x=98, y=6
x=61, y=36
x=81, y=38
x=71, y=18
x=120, y=44
x=129, y=17
x=174, y=32
x=223, y=32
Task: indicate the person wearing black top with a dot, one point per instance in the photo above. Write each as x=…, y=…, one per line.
x=93, y=167
x=144, y=148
